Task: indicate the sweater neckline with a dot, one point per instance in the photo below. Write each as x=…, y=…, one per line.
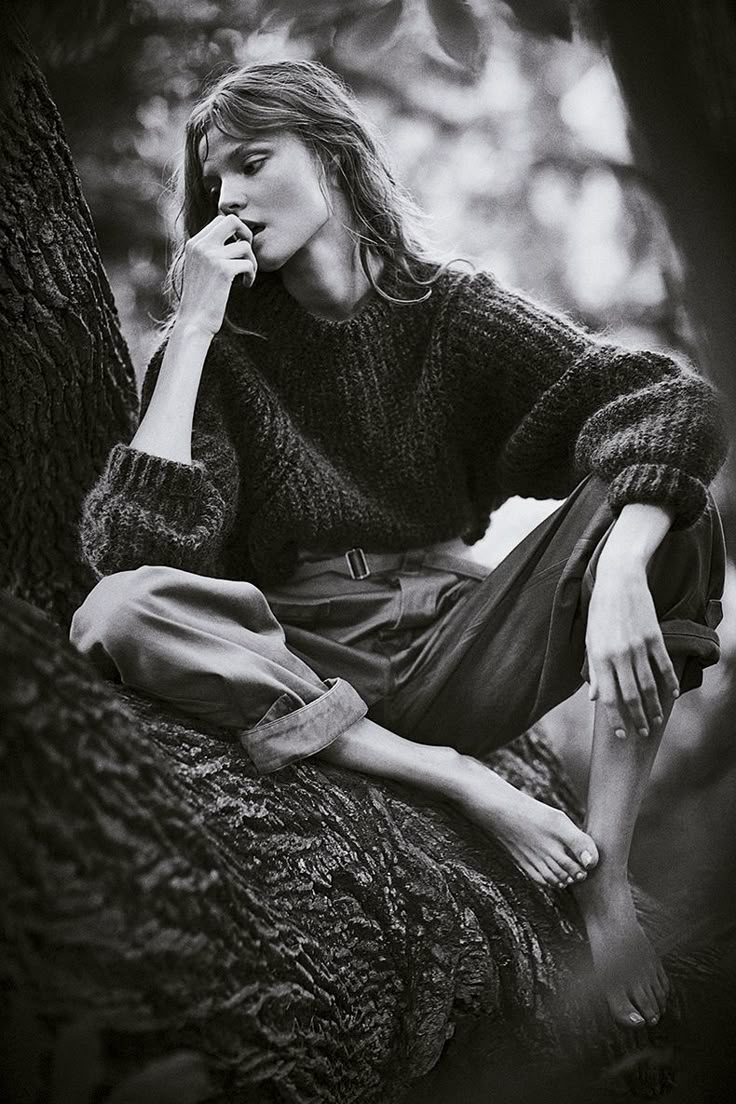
x=279, y=312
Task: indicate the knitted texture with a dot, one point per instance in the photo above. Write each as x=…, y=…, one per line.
x=401, y=426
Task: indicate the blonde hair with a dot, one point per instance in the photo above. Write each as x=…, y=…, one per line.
x=312, y=103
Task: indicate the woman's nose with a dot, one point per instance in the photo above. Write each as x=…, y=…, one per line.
x=232, y=199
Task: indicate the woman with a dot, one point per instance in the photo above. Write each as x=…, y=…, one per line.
x=330, y=417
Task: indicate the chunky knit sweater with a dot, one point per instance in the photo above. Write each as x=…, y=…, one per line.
x=402, y=426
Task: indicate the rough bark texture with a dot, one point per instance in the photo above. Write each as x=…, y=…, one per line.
x=67, y=389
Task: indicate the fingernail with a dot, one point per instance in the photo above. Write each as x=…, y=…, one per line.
x=636, y=1018
x=586, y=858
x=643, y=731
x=620, y=732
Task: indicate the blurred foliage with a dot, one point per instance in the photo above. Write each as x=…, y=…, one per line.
x=515, y=143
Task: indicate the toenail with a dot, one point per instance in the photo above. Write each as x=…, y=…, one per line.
x=580, y=876
x=620, y=732
x=636, y=1018
x=569, y=880
x=654, y=1020
x=586, y=858
x=643, y=731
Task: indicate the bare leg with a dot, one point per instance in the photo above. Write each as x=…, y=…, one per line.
x=543, y=841
x=629, y=972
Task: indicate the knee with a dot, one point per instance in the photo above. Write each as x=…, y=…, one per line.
x=111, y=612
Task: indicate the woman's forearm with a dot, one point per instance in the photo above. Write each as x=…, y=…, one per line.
x=166, y=428
x=636, y=535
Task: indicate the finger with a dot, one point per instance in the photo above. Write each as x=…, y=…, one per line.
x=248, y=270
x=631, y=705
x=649, y=691
x=608, y=696
x=237, y=249
x=670, y=681
x=223, y=227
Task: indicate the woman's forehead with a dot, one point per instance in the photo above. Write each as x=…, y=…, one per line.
x=216, y=149
x=215, y=146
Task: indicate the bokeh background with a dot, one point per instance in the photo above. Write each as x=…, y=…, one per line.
x=517, y=147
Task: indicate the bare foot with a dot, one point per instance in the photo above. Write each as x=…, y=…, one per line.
x=543, y=841
x=629, y=972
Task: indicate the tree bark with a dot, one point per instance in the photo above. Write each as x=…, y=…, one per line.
x=313, y=935
x=67, y=389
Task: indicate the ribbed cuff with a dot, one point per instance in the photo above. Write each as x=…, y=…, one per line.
x=302, y=730
x=661, y=485
x=154, y=475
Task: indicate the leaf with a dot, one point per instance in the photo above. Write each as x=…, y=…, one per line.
x=371, y=30
x=458, y=31
x=544, y=17
x=274, y=14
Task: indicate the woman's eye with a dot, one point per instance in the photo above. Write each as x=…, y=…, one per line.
x=252, y=167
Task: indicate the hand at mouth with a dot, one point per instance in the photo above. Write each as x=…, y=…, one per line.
x=254, y=227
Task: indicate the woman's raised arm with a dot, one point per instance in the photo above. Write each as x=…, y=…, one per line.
x=212, y=259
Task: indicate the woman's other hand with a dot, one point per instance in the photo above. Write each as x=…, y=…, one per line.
x=631, y=673
x=213, y=258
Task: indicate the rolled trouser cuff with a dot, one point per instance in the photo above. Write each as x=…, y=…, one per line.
x=292, y=730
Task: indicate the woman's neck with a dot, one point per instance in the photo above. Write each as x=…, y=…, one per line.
x=326, y=277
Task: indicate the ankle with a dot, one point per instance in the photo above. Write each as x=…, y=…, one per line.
x=451, y=769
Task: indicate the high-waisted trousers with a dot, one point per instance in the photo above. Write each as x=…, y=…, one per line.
x=435, y=647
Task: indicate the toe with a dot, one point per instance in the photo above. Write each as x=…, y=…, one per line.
x=570, y=866
x=624, y=1011
x=582, y=849
x=557, y=871
x=551, y=878
x=587, y=853
x=536, y=875
x=645, y=1002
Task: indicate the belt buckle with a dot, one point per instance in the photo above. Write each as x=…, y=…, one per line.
x=357, y=563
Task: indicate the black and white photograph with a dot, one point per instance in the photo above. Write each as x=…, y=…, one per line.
x=367, y=539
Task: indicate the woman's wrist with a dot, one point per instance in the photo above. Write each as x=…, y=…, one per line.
x=635, y=536
x=191, y=327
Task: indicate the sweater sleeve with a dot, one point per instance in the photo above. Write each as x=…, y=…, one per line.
x=148, y=510
x=564, y=404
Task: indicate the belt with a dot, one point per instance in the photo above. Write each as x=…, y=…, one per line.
x=357, y=564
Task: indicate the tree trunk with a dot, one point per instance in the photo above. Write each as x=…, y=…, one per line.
x=67, y=390
x=676, y=65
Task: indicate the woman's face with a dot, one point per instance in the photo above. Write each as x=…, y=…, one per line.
x=273, y=183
